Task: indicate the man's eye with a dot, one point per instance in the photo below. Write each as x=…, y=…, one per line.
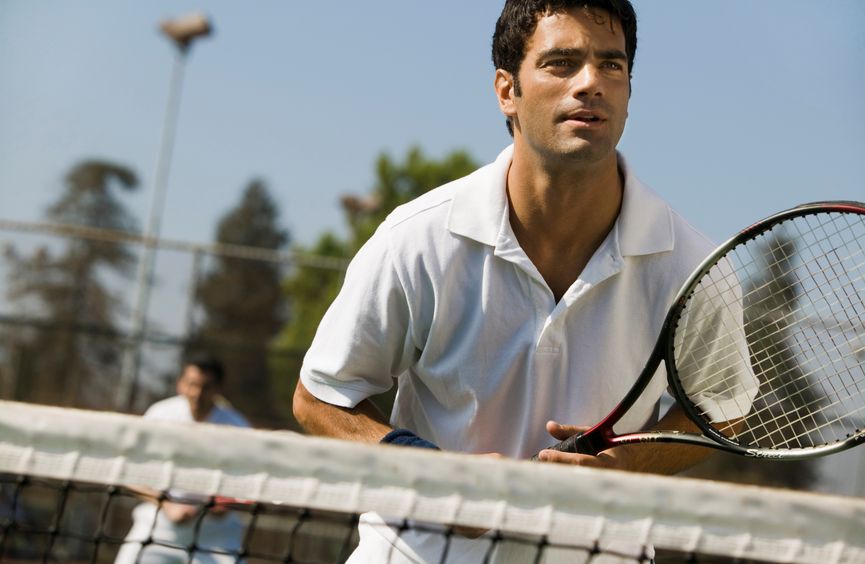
x=559, y=63
x=611, y=65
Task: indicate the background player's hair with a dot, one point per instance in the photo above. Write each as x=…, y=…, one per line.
x=518, y=21
x=207, y=363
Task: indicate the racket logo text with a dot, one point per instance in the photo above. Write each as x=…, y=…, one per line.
x=753, y=453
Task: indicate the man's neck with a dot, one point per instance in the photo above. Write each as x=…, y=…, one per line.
x=561, y=214
x=202, y=415
x=566, y=202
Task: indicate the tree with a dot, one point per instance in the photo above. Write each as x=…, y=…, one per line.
x=243, y=303
x=398, y=183
x=311, y=289
x=70, y=290
x=770, y=302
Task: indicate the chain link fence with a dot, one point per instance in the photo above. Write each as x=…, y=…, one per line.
x=84, y=368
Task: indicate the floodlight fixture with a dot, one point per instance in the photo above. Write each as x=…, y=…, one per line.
x=185, y=29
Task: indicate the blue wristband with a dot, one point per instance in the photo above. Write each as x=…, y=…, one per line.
x=404, y=437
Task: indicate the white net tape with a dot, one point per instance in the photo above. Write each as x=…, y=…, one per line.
x=569, y=506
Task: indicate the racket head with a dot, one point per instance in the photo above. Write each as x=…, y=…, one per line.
x=768, y=335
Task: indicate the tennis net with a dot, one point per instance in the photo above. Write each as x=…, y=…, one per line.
x=78, y=486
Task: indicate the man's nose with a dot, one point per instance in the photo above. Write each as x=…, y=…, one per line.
x=587, y=82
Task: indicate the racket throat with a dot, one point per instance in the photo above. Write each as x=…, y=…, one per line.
x=680, y=437
x=592, y=443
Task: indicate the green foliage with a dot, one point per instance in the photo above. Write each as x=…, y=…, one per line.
x=243, y=303
x=398, y=183
x=69, y=290
x=311, y=290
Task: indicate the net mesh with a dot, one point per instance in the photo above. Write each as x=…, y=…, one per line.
x=79, y=486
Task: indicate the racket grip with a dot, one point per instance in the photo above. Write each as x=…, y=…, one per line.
x=574, y=443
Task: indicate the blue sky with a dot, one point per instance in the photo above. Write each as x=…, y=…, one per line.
x=740, y=107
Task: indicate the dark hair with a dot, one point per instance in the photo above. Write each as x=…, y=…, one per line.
x=207, y=363
x=519, y=18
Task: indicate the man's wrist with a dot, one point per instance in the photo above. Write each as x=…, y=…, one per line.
x=404, y=437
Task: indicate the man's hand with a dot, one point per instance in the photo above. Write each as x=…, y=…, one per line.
x=615, y=458
x=183, y=511
x=179, y=512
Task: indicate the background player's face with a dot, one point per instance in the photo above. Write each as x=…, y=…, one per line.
x=574, y=86
x=200, y=390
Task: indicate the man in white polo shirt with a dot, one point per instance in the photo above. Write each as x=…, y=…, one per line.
x=527, y=295
x=181, y=520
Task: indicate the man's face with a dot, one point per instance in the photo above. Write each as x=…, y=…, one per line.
x=574, y=87
x=200, y=389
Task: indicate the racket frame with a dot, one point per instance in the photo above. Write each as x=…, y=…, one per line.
x=601, y=436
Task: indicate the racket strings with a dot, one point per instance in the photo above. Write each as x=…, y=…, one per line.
x=799, y=394
x=812, y=275
x=780, y=322
x=815, y=426
x=771, y=359
x=836, y=347
x=787, y=354
x=815, y=371
x=816, y=415
x=781, y=327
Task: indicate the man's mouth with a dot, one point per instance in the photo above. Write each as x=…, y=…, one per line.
x=585, y=117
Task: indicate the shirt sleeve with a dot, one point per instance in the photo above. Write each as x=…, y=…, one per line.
x=363, y=341
x=711, y=350
x=158, y=410
x=223, y=413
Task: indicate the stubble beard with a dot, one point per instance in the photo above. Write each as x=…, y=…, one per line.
x=577, y=151
x=560, y=146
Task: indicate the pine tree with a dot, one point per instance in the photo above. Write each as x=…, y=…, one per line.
x=243, y=304
x=70, y=359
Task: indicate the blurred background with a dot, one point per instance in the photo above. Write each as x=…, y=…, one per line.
x=159, y=196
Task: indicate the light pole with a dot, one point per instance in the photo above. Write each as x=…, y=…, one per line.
x=182, y=32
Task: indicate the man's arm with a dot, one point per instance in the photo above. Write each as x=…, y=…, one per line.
x=655, y=458
x=364, y=422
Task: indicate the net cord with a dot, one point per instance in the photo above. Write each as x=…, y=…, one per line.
x=563, y=504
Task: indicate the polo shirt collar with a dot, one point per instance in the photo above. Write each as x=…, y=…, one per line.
x=644, y=225
x=476, y=211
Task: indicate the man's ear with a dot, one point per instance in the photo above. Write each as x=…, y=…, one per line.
x=504, y=87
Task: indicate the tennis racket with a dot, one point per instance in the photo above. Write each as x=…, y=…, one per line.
x=764, y=345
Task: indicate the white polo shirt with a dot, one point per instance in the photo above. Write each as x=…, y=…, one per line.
x=443, y=299
x=212, y=535
x=176, y=409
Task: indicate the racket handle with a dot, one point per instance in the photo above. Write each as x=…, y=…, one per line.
x=574, y=443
